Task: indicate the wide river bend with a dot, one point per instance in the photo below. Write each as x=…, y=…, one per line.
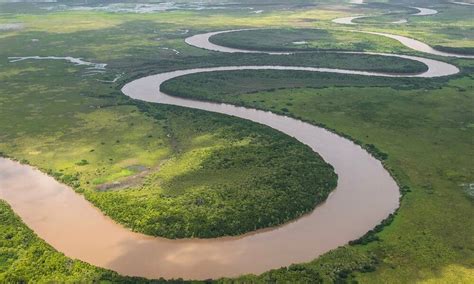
x=365, y=195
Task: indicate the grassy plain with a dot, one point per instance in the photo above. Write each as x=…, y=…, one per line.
x=64, y=121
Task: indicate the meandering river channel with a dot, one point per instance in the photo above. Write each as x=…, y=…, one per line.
x=365, y=195
x=421, y=12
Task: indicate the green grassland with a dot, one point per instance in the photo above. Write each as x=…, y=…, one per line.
x=119, y=153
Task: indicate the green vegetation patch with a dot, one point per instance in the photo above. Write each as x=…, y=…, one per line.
x=305, y=40
x=214, y=183
x=230, y=86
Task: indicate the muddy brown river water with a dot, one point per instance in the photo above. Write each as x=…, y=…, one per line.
x=365, y=195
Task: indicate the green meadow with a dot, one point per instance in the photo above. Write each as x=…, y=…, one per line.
x=174, y=172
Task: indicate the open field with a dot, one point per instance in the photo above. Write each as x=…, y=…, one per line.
x=174, y=172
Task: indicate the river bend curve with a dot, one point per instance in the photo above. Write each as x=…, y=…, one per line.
x=203, y=41
x=421, y=12
x=365, y=195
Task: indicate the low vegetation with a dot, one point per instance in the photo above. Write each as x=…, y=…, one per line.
x=222, y=169
x=306, y=40
x=222, y=85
